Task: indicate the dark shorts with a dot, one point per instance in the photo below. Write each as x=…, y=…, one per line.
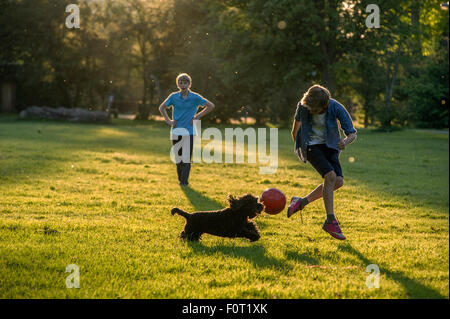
x=324, y=159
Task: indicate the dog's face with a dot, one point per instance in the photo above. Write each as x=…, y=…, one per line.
x=247, y=205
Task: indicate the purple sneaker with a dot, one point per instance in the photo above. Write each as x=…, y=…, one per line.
x=295, y=206
x=333, y=229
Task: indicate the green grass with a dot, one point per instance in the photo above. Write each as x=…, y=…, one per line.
x=99, y=196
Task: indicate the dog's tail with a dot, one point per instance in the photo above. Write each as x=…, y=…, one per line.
x=180, y=212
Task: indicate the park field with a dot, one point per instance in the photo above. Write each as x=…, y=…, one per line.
x=99, y=197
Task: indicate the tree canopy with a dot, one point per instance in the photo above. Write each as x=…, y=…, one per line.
x=250, y=57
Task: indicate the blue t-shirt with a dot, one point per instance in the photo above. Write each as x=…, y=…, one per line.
x=184, y=110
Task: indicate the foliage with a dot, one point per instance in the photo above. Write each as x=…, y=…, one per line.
x=426, y=92
x=253, y=57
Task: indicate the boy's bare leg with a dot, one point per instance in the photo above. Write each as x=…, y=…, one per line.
x=327, y=192
x=318, y=191
x=331, y=181
x=330, y=225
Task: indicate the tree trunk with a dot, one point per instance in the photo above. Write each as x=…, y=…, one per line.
x=366, y=119
x=328, y=42
x=390, y=84
x=143, y=109
x=367, y=110
x=157, y=86
x=328, y=79
x=415, y=21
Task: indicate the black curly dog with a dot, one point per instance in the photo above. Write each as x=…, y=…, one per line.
x=233, y=221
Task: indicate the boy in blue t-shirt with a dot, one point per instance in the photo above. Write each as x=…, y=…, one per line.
x=317, y=140
x=185, y=104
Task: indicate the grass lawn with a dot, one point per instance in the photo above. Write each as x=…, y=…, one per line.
x=99, y=196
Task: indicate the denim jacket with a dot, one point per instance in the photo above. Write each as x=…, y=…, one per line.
x=335, y=111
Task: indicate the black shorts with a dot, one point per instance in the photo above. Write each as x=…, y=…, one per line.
x=324, y=159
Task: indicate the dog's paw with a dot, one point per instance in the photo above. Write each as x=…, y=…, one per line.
x=174, y=210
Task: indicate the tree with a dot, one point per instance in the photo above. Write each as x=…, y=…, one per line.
x=147, y=24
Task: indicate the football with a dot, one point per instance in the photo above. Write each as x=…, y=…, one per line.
x=273, y=200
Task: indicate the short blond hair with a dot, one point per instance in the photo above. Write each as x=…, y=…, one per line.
x=184, y=76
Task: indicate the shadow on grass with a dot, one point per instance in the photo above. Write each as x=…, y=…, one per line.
x=199, y=201
x=256, y=254
x=306, y=258
x=414, y=288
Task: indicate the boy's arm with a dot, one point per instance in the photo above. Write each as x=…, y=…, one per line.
x=209, y=106
x=297, y=123
x=163, y=111
x=347, y=125
x=295, y=128
x=350, y=138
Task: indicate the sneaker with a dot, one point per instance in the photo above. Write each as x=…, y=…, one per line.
x=333, y=229
x=294, y=206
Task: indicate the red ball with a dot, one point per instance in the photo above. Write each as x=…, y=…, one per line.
x=274, y=201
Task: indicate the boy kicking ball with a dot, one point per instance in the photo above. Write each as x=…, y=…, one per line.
x=317, y=140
